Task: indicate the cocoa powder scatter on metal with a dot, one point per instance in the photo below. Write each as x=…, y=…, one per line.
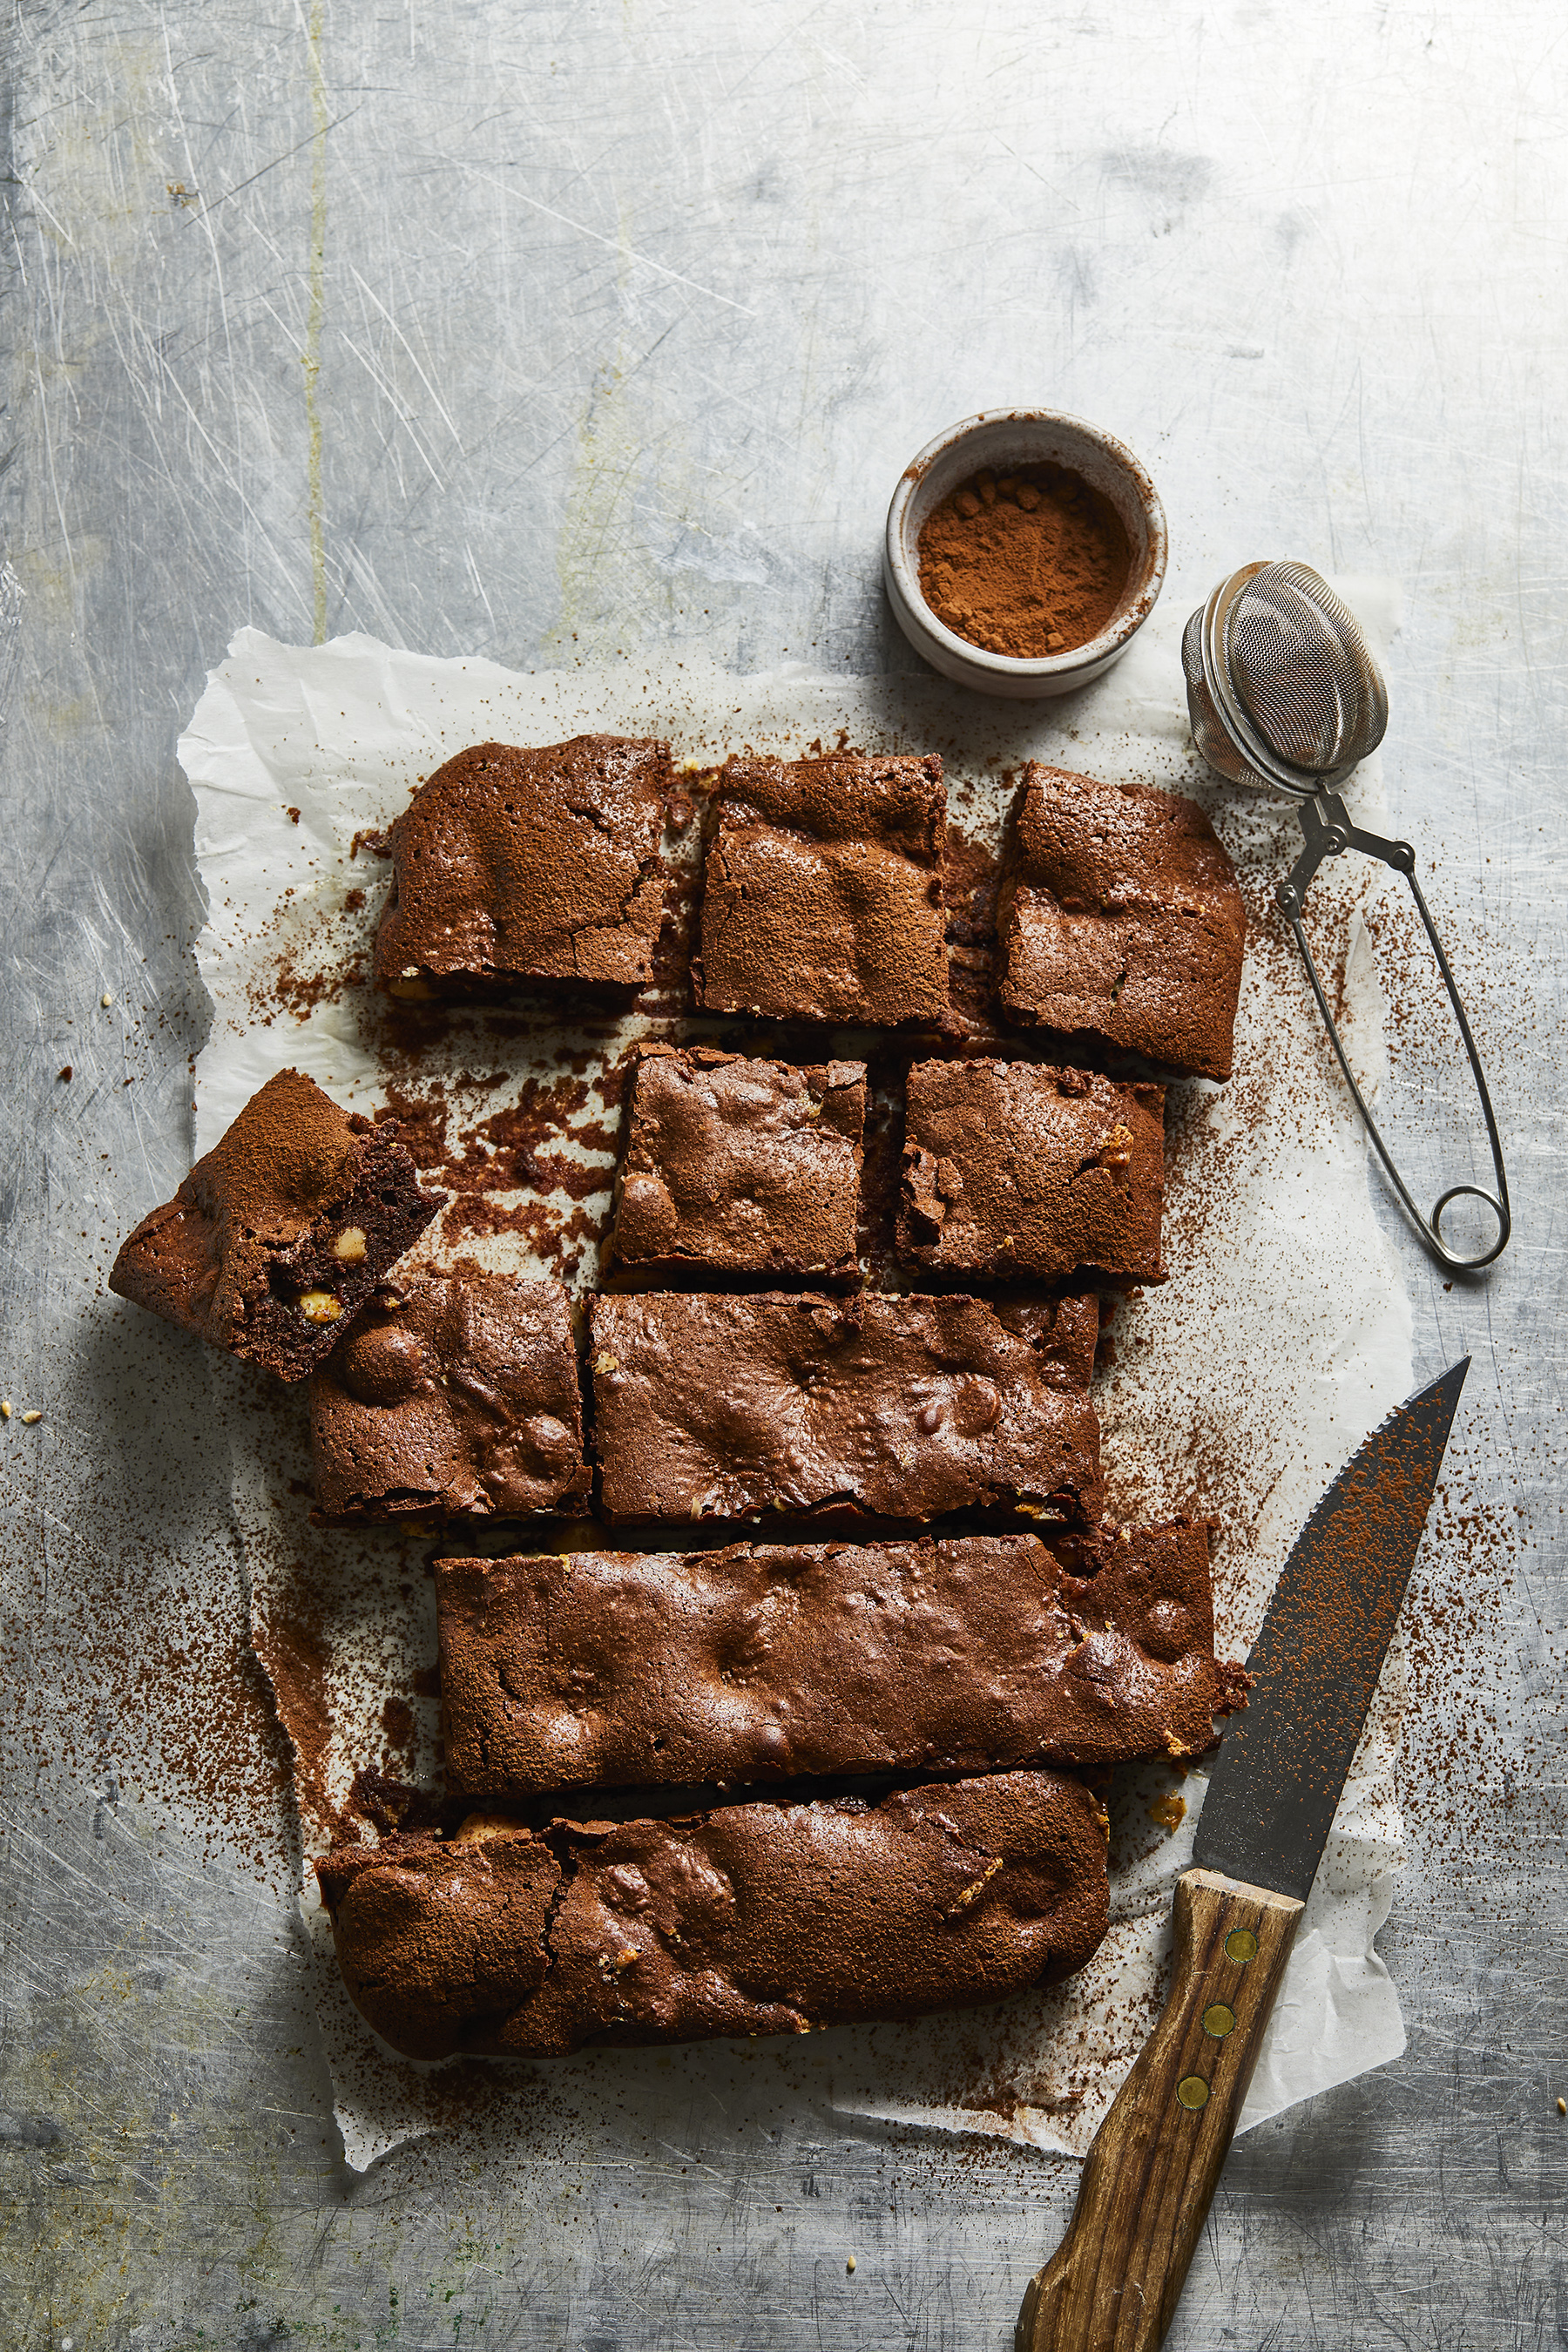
x=1027, y=564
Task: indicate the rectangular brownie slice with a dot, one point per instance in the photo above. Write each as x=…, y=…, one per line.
x=822, y=894
x=742, y=1166
x=747, y=1919
x=1013, y=1169
x=537, y=865
x=455, y=1394
x=724, y=1408
x=770, y=1662
x=1121, y=921
x=280, y=1233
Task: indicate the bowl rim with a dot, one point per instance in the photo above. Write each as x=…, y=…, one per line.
x=1094, y=649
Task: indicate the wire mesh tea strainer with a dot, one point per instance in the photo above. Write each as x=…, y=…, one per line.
x=1285, y=693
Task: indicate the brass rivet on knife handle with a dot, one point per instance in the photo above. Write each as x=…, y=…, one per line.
x=1112, y=2284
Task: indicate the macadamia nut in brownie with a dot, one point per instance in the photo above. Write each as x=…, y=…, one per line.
x=766, y=1662
x=1014, y=1169
x=822, y=894
x=760, y=1919
x=1121, y=921
x=741, y=1166
x=710, y=1407
x=453, y=1395
x=542, y=866
x=280, y=1234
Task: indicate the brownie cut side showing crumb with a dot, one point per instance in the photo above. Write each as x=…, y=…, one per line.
x=771, y=1661
x=747, y=1919
x=280, y=1234
x=1121, y=921
x=723, y=1408
x=455, y=1394
x=742, y=1166
x=542, y=866
x=1013, y=1169
x=822, y=894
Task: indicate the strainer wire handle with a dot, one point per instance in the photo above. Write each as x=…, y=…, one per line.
x=1327, y=824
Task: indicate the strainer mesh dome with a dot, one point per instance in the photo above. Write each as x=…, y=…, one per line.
x=1303, y=670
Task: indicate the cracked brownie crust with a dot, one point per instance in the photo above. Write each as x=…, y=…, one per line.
x=741, y=1165
x=822, y=894
x=1014, y=1169
x=725, y=1408
x=1121, y=921
x=517, y=865
x=279, y=1234
x=455, y=1394
x=760, y=1919
x=979, y=1653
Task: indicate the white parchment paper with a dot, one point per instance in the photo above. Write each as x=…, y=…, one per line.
x=1238, y=1388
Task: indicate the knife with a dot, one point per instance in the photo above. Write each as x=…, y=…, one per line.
x=1152, y=2168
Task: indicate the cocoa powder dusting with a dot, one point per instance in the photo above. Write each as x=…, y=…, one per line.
x=1029, y=564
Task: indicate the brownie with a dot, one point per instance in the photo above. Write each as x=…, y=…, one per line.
x=1011, y=1169
x=439, y=1938
x=822, y=893
x=1119, y=921
x=280, y=1234
x=454, y=1394
x=725, y=1408
x=529, y=866
x=747, y=1167
x=748, y=1919
x=767, y=1662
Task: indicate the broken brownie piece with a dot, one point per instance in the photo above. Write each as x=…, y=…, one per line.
x=438, y=1939
x=1121, y=921
x=713, y=1407
x=760, y=1919
x=822, y=894
x=765, y=1662
x=454, y=1394
x=1011, y=1168
x=741, y=1166
x=279, y=1236
x=528, y=865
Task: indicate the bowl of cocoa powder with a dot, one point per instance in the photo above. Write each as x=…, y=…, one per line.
x=1025, y=549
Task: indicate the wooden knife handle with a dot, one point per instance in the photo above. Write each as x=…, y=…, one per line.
x=1112, y=2284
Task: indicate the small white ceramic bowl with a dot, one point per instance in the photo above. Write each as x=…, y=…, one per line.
x=998, y=440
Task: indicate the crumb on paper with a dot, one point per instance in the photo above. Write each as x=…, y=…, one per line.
x=1170, y=1810
x=29, y=1418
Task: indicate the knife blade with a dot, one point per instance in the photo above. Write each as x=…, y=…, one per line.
x=1113, y=2283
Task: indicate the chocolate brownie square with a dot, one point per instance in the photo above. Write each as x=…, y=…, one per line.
x=453, y=1395
x=727, y=1407
x=763, y=1662
x=280, y=1232
x=540, y=866
x=822, y=895
x=746, y=1919
x=1119, y=921
x=741, y=1166
x=1011, y=1168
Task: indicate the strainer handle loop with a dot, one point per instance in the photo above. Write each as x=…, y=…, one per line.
x=1327, y=824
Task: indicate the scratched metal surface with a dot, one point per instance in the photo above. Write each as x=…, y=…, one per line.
x=556, y=331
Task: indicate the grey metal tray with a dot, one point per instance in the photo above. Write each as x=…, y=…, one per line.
x=556, y=331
